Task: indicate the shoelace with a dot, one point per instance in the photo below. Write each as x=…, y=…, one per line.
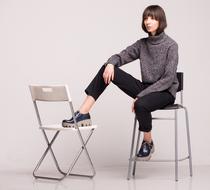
x=149, y=144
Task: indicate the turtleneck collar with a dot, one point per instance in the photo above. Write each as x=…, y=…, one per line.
x=157, y=39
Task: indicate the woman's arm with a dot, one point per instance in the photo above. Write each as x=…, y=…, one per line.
x=129, y=54
x=169, y=75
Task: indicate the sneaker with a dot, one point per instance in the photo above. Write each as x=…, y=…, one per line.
x=81, y=119
x=75, y=113
x=146, y=151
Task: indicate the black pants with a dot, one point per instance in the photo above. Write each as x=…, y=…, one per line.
x=132, y=87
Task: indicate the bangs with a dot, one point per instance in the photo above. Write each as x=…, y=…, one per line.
x=150, y=13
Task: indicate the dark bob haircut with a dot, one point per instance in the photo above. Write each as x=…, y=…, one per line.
x=157, y=13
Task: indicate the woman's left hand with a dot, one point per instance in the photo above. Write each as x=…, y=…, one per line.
x=132, y=107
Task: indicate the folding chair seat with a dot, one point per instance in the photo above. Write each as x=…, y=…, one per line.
x=59, y=93
x=175, y=107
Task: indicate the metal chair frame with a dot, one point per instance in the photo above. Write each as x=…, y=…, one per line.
x=55, y=93
x=175, y=107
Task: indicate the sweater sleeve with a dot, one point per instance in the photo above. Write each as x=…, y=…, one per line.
x=129, y=54
x=169, y=75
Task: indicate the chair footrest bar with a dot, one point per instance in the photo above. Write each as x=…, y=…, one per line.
x=49, y=178
x=56, y=178
x=159, y=160
x=163, y=118
x=81, y=175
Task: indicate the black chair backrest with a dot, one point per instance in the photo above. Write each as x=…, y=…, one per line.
x=180, y=77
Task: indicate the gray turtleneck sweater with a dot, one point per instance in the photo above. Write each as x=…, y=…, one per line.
x=158, y=57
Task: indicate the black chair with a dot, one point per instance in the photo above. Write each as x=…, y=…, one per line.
x=133, y=158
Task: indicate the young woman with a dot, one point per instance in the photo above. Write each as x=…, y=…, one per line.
x=158, y=55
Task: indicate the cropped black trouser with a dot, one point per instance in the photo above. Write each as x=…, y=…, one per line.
x=132, y=87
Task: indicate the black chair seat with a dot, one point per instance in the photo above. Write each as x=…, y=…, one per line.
x=172, y=107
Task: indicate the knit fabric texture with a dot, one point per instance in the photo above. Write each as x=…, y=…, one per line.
x=158, y=57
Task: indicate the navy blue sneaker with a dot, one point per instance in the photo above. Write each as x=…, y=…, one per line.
x=81, y=119
x=75, y=113
x=146, y=151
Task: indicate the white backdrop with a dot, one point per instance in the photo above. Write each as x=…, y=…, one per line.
x=53, y=42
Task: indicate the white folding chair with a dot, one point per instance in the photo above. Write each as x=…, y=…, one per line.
x=59, y=93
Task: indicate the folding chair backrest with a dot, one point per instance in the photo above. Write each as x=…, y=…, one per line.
x=50, y=93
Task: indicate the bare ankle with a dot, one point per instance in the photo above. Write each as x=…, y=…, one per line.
x=87, y=105
x=147, y=137
x=148, y=140
x=83, y=111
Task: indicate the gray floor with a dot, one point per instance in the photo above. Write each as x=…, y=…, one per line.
x=147, y=177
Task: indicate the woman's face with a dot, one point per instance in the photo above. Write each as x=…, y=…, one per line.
x=151, y=25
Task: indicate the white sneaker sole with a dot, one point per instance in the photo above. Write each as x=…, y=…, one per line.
x=83, y=123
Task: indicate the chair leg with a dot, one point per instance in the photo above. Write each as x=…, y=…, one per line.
x=53, y=155
x=84, y=143
x=176, y=147
x=188, y=141
x=137, y=146
x=49, y=145
x=131, y=152
x=49, y=148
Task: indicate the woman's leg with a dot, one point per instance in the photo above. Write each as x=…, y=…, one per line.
x=87, y=104
x=145, y=105
x=143, y=108
x=123, y=80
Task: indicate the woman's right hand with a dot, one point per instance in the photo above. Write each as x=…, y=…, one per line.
x=108, y=74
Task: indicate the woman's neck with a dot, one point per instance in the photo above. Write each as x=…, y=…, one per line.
x=153, y=33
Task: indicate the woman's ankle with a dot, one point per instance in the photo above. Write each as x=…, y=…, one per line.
x=83, y=111
x=87, y=105
x=147, y=137
x=148, y=140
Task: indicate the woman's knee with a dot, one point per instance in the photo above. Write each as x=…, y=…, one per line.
x=140, y=106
